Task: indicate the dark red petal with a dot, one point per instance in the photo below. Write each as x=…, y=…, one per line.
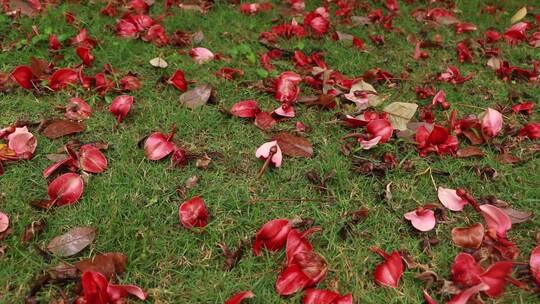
x=291, y=280
x=23, y=76
x=468, y=237
x=193, y=213
x=178, y=80
x=120, y=106
x=320, y=296
x=389, y=272
x=496, y=278
x=297, y=242
x=63, y=77
x=465, y=270
x=94, y=288
x=463, y=298
x=272, y=235
x=237, y=298
x=92, y=160
x=66, y=189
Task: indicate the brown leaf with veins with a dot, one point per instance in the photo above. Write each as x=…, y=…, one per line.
x=196, y=97
x=72, y=242
x=56, y=128
x=294, y=146
x=109, y=264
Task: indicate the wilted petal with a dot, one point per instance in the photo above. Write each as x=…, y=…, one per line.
x=468, y=237
x=496, y=219
x=450, y=199
x=287, y=88
x=492, y=122
x=92, y=160
x=120, y=106
x=66, y=189
x=78, y=109
x=272, y=235
x=263, y=152
x=237, y=298
x=422, y=219
x=380, y=127
x=193, y=213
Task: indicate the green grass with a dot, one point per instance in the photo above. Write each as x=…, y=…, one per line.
x=134, y=203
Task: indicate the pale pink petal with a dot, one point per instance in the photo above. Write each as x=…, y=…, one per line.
x=422, y=219
x=450, y=199
x=496, y=219
x=4, y=222
x=285, y=111
x=368, y=144
x=22, y=142
x=264, y=151
x=492, y=122
x=201, y=55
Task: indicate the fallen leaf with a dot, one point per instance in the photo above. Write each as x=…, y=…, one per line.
x=57, y=128
x=72, y=242
x=400, y=114
x=507, y=158
x=196, y=97
x=294, y=146
x=517, y=216
x=468, y=237
x=159, y=63
x=520, y=14
x=34, y=229
x=108, y=264
x=470, y=151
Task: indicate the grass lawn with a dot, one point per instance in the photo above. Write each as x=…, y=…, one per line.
x=134, y=204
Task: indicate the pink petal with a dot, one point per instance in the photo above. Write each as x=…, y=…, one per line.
x=368, y=144
x=66, y=189
x=496, y=219
x=4, y=222
x=287, y=88
x=22, y=142
x=193, y=213
x=201, y=55
x=285, y=111
x=422, y=219
x=492, y=122
x=157, y=146
x=237, y=298
x=120, y=106
x=534, y=264
x=78, y=109
x=450, y=199
x=264, y=151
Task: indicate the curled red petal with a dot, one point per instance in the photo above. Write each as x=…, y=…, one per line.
x=120, y=106
x=94, y=288
x=193, y=213
x=389, y=272
x=297, y=242
x=239, y=297
x=118, y=292
x=465, y=270
x=496, y=278
x=23, y=76
x=291, y=280
x=91, y=159
x=66, y=189
x=245, y=109
x=272, y=235
x=158, y=146
x=62, y=78
x=178, y=80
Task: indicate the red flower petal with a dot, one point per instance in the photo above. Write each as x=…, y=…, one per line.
x=245, y=109
x=92, y=160
x=78, y=109
x=297, y=242
x=4, y=222
x=320, y=296
x=496, y=219
x=66, y=189
x=178, y=81
x=422, y=219
x=465, y=270
x=380, y=127
x=287, y=88
x=23, y=76
x=492, y=122
x=237, y=298
x=120, y=106
x=158, y=146
x=389, y=272
x=85, y=55
x=496, y=278
x=291, y=280
x=272, y=235
x=94, y=288
x=463, y=298
x=531, y=130
x=450, y=199
x=62, y=78
x=534, y=264
x=118, y=292
x=193, y=213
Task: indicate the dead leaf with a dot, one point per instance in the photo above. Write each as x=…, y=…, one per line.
x=109, y=264
x=57, y=128
x=196, y=97
x=517, y=216
x=400, y=113
x=362, y=86
x=294, y=146
x=470, y=151
x=192, y=182
x=159, y=62
x=72, y=242
x=203, y=162
x=34, y=229
x=520, y=14
x=231, y=257
x=507, y=158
